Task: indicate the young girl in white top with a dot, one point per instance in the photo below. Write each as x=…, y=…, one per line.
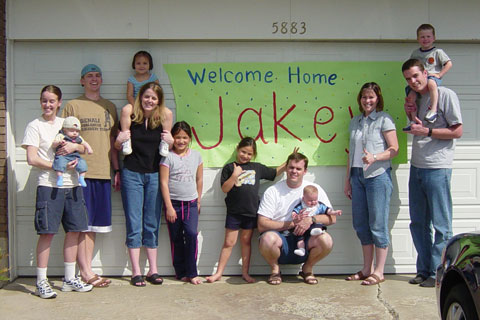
x=65, y=204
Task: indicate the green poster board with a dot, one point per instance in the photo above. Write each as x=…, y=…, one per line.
x=282, y=105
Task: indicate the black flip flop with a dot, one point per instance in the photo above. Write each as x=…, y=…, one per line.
x=137, y=281
x=154, y=279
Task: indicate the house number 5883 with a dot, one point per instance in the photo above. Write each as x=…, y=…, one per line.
x=289, y=27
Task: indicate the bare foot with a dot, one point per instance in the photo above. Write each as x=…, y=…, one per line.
x=248, y=279
x=214, y=277
x=195, y=280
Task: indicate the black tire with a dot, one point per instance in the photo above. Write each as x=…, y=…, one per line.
x=457, y=302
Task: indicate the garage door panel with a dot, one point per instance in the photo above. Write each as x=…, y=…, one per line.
x=471, y=119
x=33, y=67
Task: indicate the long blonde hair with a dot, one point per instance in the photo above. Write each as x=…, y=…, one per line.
x=158, y=114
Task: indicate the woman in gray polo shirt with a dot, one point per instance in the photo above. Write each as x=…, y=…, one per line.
x=368, y=183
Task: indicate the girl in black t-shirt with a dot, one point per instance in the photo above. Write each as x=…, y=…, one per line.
x=240, y=180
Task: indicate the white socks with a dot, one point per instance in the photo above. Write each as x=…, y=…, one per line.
x=41, y=274
x=69, y=270
x=299, y=252
x=316, y=231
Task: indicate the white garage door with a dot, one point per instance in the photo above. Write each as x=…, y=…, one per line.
x=36, y=64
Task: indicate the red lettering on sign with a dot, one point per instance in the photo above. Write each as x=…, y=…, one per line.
x=315, y=123
x=260, y=131
x=351, y=117
x=220, y=138
x=277, y=123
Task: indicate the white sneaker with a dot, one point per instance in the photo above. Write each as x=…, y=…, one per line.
x=163, y=148
x=299, y=252
x=127, y=147
x=76, y=284
x=44, y=290
x=431, y=116
x=316, y=231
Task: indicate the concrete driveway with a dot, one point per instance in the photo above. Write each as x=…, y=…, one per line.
x=230, y=298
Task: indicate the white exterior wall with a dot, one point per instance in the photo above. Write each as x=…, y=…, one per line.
x=36, y=60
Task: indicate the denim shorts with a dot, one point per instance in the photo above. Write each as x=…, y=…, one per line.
x=60, y=163
x=289, y=244
x=237, y=221
x=55, y=205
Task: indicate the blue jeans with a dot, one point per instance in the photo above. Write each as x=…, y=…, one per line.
x=142, y=203
x=430, y=204
x=371, y=207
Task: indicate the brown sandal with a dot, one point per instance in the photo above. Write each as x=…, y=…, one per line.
x=275, y=279
x=308, y=277
x=376, y=280
x=98, y=282
x=356, y=276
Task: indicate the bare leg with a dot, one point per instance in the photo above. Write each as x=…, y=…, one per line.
x=86, y=244
x=134, y=254
x=43, y=249
x=246, y=243
x=367, y=251
x=125, y=123
x=269, y=247
x=320, y=246
x=412, y=96
x=301, y=244
x=125, y=119
x=433, y=91
x=381, y=258
x=152, y=261
x=70, y=246
x=228, y=244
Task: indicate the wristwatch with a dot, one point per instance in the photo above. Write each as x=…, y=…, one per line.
x=314, y=220
x=375, y=157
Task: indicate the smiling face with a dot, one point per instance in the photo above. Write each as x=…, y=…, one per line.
x=426, y=39
x=245, y=154
x=142, y=65
x=181, y=142
x=369, y=101
x=417, y=79
x=50, y=105
x=92, y=81
x=295, y=173
x=149, y=101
